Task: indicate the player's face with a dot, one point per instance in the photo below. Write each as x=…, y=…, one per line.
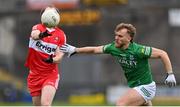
x=122, y=38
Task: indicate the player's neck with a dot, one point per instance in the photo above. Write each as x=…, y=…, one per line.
x=125, y=46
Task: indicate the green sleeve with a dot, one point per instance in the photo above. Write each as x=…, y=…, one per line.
x=144, y=51
x=107, y=48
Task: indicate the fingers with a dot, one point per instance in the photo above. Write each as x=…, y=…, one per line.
x=165, y=82
x=170, y=80
x=170, y=84
x=63, y=50
x=66, y=45
x=66, y=48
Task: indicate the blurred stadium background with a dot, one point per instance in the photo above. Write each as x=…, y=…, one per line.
x=88, y=79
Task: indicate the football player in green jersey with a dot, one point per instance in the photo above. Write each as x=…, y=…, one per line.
x=133, y=58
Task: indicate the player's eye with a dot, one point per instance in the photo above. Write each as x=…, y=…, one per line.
x=118, y=35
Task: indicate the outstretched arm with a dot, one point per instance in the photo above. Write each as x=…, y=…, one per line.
x=158, y=53
x=71, y=50
x=94, y=50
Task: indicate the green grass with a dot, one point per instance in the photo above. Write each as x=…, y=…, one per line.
x=166, y=101
x=161, y=101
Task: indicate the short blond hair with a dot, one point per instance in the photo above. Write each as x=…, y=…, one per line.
x=131, y=30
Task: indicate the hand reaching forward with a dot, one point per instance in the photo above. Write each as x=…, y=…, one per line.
x=69, y=49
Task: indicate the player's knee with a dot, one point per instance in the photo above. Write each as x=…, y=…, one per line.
x=149, y=103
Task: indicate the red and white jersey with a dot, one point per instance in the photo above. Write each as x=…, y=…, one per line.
x=41, y=49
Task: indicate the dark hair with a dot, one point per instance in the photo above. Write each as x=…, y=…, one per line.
x=51, y=6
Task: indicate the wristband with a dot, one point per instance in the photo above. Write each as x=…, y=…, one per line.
x=169, y=73
x=41, y=35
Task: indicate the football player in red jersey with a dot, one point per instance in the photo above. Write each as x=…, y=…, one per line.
x=42, y=60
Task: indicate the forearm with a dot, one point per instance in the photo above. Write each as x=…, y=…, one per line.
x=158, y=53
x=35, y=34
x=85, y=50
x=166, y=61
x=90, y=50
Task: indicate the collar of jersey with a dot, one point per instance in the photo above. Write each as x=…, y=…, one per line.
x=130, y=45
x=50, y=29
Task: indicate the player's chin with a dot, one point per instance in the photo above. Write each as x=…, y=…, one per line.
x=117, y=45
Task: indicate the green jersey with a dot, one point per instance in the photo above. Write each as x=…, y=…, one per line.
x=134, y=61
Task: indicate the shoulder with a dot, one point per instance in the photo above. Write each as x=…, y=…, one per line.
x=59, y=30
x=108, y=47
x=60, y=33
x=137, y=46
x=38, y=27
x=142, y=49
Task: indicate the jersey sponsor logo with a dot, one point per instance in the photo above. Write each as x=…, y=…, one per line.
x=45, y=47
x=42, y=46
x=131, y=57
x=127, y=63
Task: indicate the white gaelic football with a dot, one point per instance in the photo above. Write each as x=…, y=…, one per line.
x=50, y=18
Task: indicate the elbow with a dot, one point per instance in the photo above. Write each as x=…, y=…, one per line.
x=35, y=34
x=163, y=54
x=34, y=38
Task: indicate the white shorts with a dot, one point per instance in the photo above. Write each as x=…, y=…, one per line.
x=147, y=91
